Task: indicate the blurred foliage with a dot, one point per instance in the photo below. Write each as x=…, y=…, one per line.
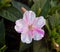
x=2, y=49
x=10, y=10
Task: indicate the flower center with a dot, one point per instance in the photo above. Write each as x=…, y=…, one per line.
x=30, y=27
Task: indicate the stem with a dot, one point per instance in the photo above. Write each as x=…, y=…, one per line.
x=47, y=26
x=4, y=47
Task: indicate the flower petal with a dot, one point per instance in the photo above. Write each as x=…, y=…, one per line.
x=29, y=16
x=26, y=37
x=19, y=22
x=40, y=22
x=19, y=25
x=38, y=34
x=18, y=29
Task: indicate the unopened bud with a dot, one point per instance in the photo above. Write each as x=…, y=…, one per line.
x=23, y=9
x=56, y=45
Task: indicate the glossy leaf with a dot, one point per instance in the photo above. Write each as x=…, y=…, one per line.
x=11, y=14
x=18, y=5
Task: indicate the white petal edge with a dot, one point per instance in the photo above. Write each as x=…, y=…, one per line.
x=18, y=29
x=26, y=38
x=37, y=35
x=40, y=22
x=20, y=25
x=19, y=22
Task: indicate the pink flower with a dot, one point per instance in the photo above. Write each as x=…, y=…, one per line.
x=30, y=27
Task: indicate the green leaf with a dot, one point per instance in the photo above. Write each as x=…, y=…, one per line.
x=41, y=7
x=4, y=3
x=2, y=33
x=58, y=29
x=36, y=46
x=23, y=46
x=37, y=6
x=41, y=3
x=14, y=12
x=51, y=21
x=11, y=14
x=18, y=5
x=53, y=9
x=2, y=49
x=48, y=27
x=40, y=46
x=56, y=22
x=45, y=8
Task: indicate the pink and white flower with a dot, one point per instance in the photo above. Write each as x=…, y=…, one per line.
x=30, y=27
